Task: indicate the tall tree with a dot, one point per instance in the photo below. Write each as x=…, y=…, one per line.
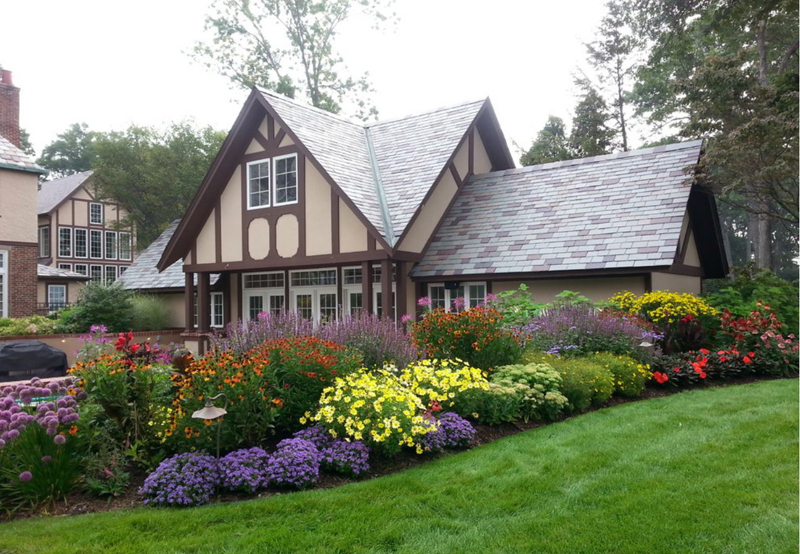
x=25, y=143
x=613, y=56
x=154, y=174
x=727, y=70
x=550, y=145
x=288, y=46
x=590, y=135
x=71, y=152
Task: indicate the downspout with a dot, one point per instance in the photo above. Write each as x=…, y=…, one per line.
x=379, y=192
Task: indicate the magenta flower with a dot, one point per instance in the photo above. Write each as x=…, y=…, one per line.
x=425, y=302
x=47, y=459
x=60, y=440
x=406, y=318
x=460, y=303
x=25, y=476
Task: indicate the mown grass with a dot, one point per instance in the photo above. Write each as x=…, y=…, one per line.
x=705, y=471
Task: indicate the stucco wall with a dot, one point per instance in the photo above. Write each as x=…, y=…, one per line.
x=206, y=241
x=231, y=218
x=352, y=233
x=430, y=215
x=318, y=212
x=596, y=288
x=677, y=283
x=18, y=209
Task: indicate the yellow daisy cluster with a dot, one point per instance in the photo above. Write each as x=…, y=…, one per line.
x=662, y=306
x=373, y=406
x=630, y=376
x=441, y=380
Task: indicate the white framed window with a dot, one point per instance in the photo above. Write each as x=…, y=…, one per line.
x=269, y=280
x=68, y=267
x=3, y=283
x=96, y=244
x=44, y=242
x=81, y=243
x=473, y=295
x=110, y=274
x=96, y=273
x=263, y=292
x=56, y=297
x=111, y=245
x=258, y=184
x=64, y=242
x=125, y=248
x=317, y=277
x=121, y=269
x=217, y=307
x=351, y=276
x=285, y=179
x=376, y=273
x=95, y=213
x=83, y=269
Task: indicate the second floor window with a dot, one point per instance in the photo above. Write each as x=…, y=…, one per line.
x=80, y=243
x=95, y=244
x=95, y=213
x=258, y=184
x=111, y=245
x=286, y=180
x=124, y=246
x=64, y=242
x=44, y=242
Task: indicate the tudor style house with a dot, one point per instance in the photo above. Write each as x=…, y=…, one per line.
x=307, y=211
x=81, y=234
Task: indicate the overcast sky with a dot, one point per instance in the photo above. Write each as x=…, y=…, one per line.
x=111, y=64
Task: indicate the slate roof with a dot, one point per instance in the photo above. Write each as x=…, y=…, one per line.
x=52, y=193
x=622, y=210
x=47, y=272
x=143, y=274
x=409, y=153
x=12, y=157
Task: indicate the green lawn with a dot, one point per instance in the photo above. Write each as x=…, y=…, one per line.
x=705, y=471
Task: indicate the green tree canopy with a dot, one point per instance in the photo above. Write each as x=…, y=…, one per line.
x=71, y=152
x=551, y=144
x=591, y=135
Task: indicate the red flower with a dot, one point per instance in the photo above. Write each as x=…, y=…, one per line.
x=134, y=347
x=704, y=351
x=747, y=360
x=751, y=354
x=703, y=374
x=661, y=378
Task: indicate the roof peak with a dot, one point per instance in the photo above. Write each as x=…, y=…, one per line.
x=88, y=173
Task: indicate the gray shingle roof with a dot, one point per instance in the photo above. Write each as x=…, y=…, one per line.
x=12, y=157
x=143, y=273
x=52, y=193
x=47, y=272
x=623, y=210
x=409, y=152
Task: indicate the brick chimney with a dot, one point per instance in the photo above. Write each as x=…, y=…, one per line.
x=9, y=108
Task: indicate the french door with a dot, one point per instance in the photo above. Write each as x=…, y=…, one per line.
x=319, y=304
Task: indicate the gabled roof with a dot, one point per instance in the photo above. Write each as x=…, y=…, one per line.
x=12, y=157
x=53, y=193
x=622, y=210
x=143, y=273
x=48, y=272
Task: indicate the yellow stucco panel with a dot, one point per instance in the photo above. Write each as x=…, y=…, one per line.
x=18, y=207
x=461, y=160
x=287, y=236
x=429, y=216
x=352, y=233
x=231, y=219
x=318, y=213
x=258, y=238
x=206, y=247
x=482, y=164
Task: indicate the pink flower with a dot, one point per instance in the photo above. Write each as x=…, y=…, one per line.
x=425, y=302
x=406, y=318
x=459, y=303
x=25, y=476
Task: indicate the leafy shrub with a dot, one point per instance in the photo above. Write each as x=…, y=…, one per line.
x=32, y=325
x=497, y=404
x=295, y=464
x=379, y=339
x=541, y=396
x=148, y=313
x=760, y=334
x=438, y=382
x=104, y=470
x=630, y=376
x=452, y=431
x=585, y=383
x=187, y=479
x=244, y=470
x=476, y=335
x=99, y=304
x=517, y=307
x=348, y=458
x=579, y=329
x=373, y=406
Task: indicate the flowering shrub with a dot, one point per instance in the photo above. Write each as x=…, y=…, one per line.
x=500, y=403
x=183, y=480
x=373, y=406
x=294, y=464
x=244, y=470
x=438, y=382
x=539, y=386
x=349, y=458
x=243, y=336
x=379, y=339
x=32, y=325
x=760, y=332
x=476, y=335
x=452, y=431
x=585, y=383
x=580, y=329
x=268, y=387
x=630, y=376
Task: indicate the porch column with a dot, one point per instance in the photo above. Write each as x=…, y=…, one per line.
x=402, y=301
x=386, y=287
x=188, y=296
x=203, y=302
x=366, y=287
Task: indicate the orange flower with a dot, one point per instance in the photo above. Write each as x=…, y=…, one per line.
x=278, y=402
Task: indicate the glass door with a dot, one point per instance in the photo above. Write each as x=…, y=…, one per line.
x=304, y=304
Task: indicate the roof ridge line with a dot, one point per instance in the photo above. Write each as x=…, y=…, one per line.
x=380, y=192
x=421, y=114
x=308, y=106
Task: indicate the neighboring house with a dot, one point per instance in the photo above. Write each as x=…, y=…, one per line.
x=58, y=288
x=19, y=177
x=307, y=211
x=80, y=234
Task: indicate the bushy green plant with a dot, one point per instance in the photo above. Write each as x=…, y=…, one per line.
x=630, y=376
x=542, y=398
x=585, y=383
x=100, y=304
x=148, y=313
x=32, y=325
x=500, y=403
x=104, y=470
x=517, y=306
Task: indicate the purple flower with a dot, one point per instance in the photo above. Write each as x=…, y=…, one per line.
x=47, y=459
x=452, y=431
x=350, y=458
x=60, y=440
x=459, y=303
x=406, y=318
x=183, y=480
x=25, y=476
x=244, y=470
x=425, y=302
x=317, y=435
x=294, y=464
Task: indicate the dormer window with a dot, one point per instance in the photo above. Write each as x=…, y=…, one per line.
x=272, y=182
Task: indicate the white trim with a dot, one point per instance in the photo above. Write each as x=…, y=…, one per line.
x=105, y=273
x=48, y=242
x=68, y=267
x=91, y=269
x=102, y=213
x=130, y=245
x=268, y=162
x=4, y=282
x=85, y=270
x=106, y=234
x=102, y=244
x=213, y=313
x=274, y=180
x=58, y=242
x=448, y=294
x=75, y=243
x=50, y=303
